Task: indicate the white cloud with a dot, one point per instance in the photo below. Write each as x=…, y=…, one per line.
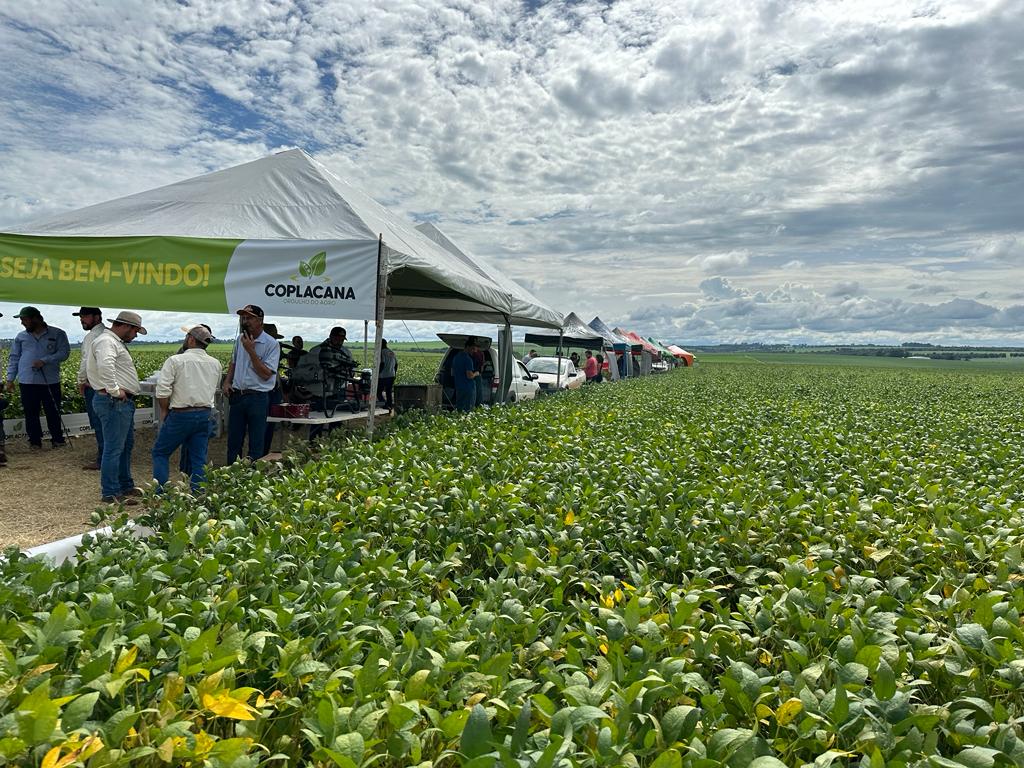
x=1009, y=248
x=721, y=262
x=571, y=142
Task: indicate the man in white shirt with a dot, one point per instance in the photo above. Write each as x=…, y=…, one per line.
x=110, y=371
x=185, y=392
x=91, y=319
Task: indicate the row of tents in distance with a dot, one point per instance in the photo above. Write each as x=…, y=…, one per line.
x=289, y=234
x=617, y=344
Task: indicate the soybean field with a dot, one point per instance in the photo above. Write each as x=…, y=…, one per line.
x=733, y=565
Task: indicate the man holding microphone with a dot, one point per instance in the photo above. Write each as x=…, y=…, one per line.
x=252, y=374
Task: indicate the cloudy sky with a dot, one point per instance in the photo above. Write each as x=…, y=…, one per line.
x=703, y=172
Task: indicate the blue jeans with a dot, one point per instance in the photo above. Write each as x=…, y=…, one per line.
x=248, y=415
x=94, y=422
x=191, y=431
x=184, y=462
x=118, y=420
x=465, y=398
x=479, y=400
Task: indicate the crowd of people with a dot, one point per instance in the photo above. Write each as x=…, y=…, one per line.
x=261, y=372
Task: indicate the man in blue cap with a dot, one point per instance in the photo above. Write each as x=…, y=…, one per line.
x=36, y=355
x=251, y=377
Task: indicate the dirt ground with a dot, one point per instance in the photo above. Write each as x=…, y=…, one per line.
x=46, y=496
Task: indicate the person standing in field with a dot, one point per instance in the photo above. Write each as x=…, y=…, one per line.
x=295, y=352
x=465, y=375
x=478, y=365
x=252, y=375
x=185, y=392
x=387, y=376
x=91, y=319
x=111, y=371
x=184, y=462
x=590, y=369
x=36, y=355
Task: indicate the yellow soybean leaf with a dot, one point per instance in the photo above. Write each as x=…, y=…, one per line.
x=50, y=761
x=222, y=705
x=787, y=713
x=570, y=518
x=166, y=750
x=126, y=659
x=603, y=648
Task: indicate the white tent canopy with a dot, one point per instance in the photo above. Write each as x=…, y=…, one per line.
x=524, y=309
x=573, y=333
x=283, y=232
x=289, y=196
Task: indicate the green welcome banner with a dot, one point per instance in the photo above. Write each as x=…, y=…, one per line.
x=292, y=278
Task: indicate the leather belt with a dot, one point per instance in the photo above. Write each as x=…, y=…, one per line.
x=192, y=409
x=127, y=396
x=250, y=391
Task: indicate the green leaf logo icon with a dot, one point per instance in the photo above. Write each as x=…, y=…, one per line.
x=318, y=264
x=304, y=269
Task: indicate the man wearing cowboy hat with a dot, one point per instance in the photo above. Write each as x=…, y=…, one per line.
x=252, y=376
x=185, y=392
x=111, y=372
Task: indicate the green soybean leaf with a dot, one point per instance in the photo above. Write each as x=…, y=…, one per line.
x=351, y=745
x=476, y=736
x=522, y=726
x=670, y=758
x=884, y=681
x=679, y=723
x=78, y=711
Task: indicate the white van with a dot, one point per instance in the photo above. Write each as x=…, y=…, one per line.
x=523, y=387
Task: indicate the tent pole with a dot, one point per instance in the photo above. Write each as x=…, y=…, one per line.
x=558, y=373
x=366, y=337
x=506, y=353
x=382, y=293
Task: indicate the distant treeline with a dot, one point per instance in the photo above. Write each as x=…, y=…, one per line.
x=933, y=353
x=906, y=349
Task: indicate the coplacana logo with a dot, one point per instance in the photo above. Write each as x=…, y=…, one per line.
x=314, y=268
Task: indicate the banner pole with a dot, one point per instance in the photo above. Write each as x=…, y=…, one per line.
x=382, y=292
x=366, y=332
